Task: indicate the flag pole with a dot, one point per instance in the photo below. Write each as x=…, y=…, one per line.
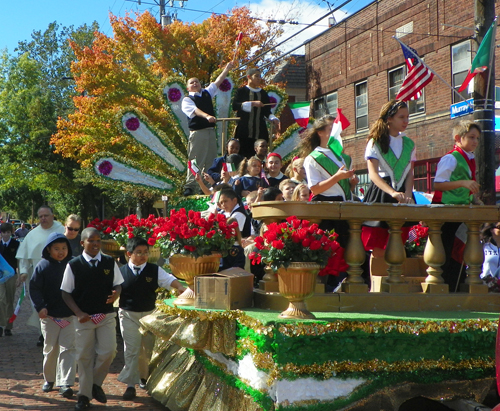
x=492, y=56
x=432, y=71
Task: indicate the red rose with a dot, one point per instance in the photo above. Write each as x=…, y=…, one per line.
x=190, y=247
x=210, y=234
x=315, y=245
x=278, y=244
x=306, y=242
x=151, y=241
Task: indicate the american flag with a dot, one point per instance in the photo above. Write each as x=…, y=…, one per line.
x=97, y=318
x=412, y=235
x=61, y=322
x=263, y=176
x=419, y=75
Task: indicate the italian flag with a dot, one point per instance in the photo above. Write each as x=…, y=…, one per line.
x=229, y=167
x=300, y=111
x=193, y=167
x=483, y=56
x=335, y=141
x=238, y=39
x=18, y=305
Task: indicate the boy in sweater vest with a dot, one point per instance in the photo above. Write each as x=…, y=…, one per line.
x=90, y=285
x=141, y=279
x=455, y=183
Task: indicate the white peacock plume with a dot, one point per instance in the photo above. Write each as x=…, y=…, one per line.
x=157, y=144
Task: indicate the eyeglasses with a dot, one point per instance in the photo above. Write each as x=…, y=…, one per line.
x=72, y=229
x=144, y=254
x=497, y=227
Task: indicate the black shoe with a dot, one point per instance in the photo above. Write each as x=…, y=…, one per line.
x=39, y=343
x=1, y=331
x=47, y=387
x=129, y=394
x=8, y=333
x=188, y=192
x=83, y=403
x=66, y=391
x=142, y=385
x=98, y=394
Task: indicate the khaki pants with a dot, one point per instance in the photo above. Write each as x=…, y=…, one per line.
x=138, y=348
x=95, y=351
x=202, y=146
x=59, y=361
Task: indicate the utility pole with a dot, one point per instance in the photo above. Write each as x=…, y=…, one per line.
x=484, y=114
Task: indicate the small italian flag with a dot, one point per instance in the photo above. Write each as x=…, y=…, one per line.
x=238, y=39
x=229, y=167
x=483, y=56
x=18, y=305
x=193, y=167
x=300, y=111
x=335, y=141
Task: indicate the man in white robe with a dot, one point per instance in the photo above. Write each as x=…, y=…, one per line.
x=30, y=251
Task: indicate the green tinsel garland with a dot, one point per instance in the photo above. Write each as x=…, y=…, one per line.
x=195, y=203
x=259, y=397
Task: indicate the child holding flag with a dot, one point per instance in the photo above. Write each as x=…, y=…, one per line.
x=90, y=285
x=390, y=155
x=328, y=169
x=56, y=319
x=252, y=180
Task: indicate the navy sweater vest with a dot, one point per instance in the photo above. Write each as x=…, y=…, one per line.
x=139, y=292
x=93, y=285
x=204, y=103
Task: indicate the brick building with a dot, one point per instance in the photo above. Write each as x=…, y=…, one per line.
x=357, y=66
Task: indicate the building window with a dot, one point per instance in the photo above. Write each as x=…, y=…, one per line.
x=326, y=105
x=332, y=103
x=423, y=175
x=364, y=182
x=396, y=78
x=460, y=64
x=361, y=106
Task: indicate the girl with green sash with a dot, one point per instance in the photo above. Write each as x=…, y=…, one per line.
x=329, y=176
x=390, y=155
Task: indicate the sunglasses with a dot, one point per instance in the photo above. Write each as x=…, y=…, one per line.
x=72, y=229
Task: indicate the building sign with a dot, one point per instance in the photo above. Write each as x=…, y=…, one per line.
x=461, y=109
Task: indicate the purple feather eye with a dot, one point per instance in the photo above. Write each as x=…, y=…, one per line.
x=225, y=85
x=273, y=101
x=174, y=95
x=105, y=168
x=132, y=123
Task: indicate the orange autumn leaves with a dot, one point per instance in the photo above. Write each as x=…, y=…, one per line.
x=126, y=70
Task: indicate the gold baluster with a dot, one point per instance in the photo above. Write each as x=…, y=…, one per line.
x=355, y=256
x=434, y=257
x=395, y=257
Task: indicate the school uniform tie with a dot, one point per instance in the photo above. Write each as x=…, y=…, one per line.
x=93, y=262
x=137, y=270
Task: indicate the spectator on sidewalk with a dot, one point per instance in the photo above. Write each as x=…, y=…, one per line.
x=8, y=250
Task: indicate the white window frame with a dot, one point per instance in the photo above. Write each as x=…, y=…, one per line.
x=460, y=67
x=361, y=105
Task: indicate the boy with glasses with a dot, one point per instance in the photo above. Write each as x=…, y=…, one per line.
x=141, y=279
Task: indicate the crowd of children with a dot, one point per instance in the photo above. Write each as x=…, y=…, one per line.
x=73, y=292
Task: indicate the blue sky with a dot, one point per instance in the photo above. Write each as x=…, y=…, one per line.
x=21, y=19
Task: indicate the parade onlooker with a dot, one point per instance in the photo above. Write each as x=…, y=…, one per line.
x=199, y=109
x=251, y=179
x=253, y=107
x=261, y=148
x=90, y=286
x=137, y=299
x=22, y=231
x=72, y=233
x=8, y=250
x=455, y=183
x=296, y=171
x=490, y=237
x=57, y=320
x=301, y=193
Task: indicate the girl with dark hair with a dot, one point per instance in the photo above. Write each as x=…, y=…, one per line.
x=232, y=147
x=230, y=203
x=390, y=156
x=250, y=180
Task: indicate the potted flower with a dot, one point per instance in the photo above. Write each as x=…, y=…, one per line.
x=132, y=226
x=295, y=250
x=417, y=238
x=107, y=228
x=193, y=245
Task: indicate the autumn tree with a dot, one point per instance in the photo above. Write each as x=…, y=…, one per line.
x=127, y=70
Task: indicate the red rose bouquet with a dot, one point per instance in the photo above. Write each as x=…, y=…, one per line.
x=132, y=226
x=190, y=234
x=106, y=227
x=294, y=241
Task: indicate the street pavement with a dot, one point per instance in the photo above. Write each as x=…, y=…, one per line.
x=21, y=377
